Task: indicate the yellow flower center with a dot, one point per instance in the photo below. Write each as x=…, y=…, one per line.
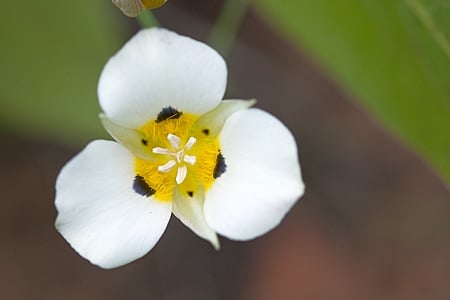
x=181, y=160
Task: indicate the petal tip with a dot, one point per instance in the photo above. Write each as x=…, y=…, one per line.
x=215, y=242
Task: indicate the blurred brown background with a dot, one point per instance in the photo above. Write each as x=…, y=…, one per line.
x=374, y=222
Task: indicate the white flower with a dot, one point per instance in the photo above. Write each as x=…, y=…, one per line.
x=132, y=8
x=217, y=165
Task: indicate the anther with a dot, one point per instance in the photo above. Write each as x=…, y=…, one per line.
x=159, y=150
x=181, y=174
x=190, y=143
x=190, y=159
x=174, y=141
x=167, y=166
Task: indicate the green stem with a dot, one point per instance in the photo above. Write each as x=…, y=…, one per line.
x=146, y=19
x=227, y=25
x=422, y=14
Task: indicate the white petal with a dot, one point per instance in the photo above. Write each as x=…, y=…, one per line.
x=158, y=68
x=189, y=210
x=262, y=179
x=100, y=214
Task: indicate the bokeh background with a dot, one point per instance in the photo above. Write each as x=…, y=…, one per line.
x=366, y=96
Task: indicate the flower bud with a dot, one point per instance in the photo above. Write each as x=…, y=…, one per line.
x=132, y=8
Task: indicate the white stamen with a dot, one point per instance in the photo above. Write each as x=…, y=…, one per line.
x=190, y=143
x=190, y=159
x=174, y=141
x=179, y=155
x=167, y=166
x=181, y=174
x=159, y=150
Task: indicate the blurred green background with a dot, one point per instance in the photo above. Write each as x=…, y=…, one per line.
x=51, y=57
x=364, y=86
x=393, y=55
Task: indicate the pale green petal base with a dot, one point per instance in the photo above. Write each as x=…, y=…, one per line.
x=189, y=210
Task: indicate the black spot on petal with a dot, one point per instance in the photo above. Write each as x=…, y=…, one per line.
x=168, y=113
x=141, y=187
x=220, y=167
x=190, y=193
x=144, y=142
x=206, y=131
